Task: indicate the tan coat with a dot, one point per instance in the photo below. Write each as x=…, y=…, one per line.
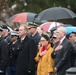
x=45, y=64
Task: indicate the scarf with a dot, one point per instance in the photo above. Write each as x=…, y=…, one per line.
x=45, y=47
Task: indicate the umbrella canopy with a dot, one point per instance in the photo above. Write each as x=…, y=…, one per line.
x=47, y=26
x=22, y=17
x=55, y=13
x=70, y=29
x=65, y=25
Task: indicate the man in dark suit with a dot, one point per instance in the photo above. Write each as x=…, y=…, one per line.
x=62, y=52
x=27, y=53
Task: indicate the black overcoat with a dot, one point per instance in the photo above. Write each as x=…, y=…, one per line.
x=63, y=57
x=3, y=54
x=27, y=53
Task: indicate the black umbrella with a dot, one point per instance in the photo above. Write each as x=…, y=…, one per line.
x=55, y=13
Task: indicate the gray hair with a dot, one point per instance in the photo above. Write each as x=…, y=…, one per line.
x=63, y=29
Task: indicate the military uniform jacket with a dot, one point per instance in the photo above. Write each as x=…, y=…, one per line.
x=13, y=53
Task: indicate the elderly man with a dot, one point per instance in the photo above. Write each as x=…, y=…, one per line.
x=27, y=52
x=62, y=52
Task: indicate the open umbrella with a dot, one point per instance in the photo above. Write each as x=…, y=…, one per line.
x=70, y=29
x=65, y=25
x=47, y=26
x=55, y=13
x=22, y=17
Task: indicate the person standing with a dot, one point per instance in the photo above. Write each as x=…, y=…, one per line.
x=45, y=62
x=13, y=53
x=72, y=38
x=27, y=52
x=3, y=54
x=6, y=36
x=62, y=52
x=34, y=33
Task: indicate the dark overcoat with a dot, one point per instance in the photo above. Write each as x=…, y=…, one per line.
x=3, y=54
x=62, y=57
x=25, y=60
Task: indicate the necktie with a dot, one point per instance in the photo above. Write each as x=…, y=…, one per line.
x=59, y=43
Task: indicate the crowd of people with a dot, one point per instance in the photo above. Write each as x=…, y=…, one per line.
x=28, y=50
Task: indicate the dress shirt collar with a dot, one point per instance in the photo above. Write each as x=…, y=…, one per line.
x=22, y=39
x=62, y=39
